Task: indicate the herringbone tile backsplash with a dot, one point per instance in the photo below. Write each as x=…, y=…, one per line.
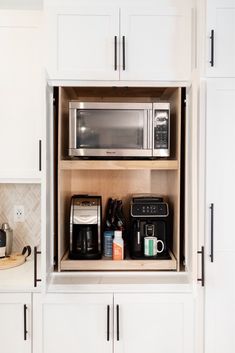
x=28, y=195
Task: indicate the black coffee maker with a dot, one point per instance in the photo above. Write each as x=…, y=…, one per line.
x=85, y=227
x=150, y=217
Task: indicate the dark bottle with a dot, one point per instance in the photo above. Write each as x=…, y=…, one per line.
x=2, y=243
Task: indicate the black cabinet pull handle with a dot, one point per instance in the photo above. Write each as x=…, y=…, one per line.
x=202, y=279
x=36, y=280
x=115, y=53
x=25, y=322
x=212, y=232
x=40, y=155
x=212, y=38
x=117, y=322
x=108, y=321
x=123, y=53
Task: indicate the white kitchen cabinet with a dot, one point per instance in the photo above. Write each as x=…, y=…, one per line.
x=15, y=314
x=137, y=323
x=21, y=94
x=220, y=241
x=153, y=323
x=88, y=44
x=221, y=35
x=78, y=322
x=81, y=43
x=157, y=44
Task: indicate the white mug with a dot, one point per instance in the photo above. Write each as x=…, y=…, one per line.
x=151, y=246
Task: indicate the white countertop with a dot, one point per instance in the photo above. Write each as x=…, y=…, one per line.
x=19, y=279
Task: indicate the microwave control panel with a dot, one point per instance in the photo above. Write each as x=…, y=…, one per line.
x=161, y=130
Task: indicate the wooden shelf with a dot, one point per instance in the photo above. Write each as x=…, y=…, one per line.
x=106, y=264
x=118, y=165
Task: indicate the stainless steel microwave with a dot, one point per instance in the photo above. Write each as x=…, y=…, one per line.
x=119, y=129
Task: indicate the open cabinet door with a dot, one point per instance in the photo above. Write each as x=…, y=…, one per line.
x=194, y=172
x=191, y=181
x=47, y=246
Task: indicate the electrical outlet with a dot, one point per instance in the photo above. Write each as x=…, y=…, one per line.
x=19, y=213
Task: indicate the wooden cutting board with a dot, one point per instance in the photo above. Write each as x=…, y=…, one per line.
x=12, y=261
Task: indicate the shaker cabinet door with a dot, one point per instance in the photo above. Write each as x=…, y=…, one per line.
x=15, y=314
x=155, y=44
x=81, y=43
x=220, y=195
x=153, y=323
x=21, y=94
x=78, y=323
x=220, y=38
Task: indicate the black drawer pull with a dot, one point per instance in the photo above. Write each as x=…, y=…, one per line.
x=115, y=53
x=36, y=253
x=123, y=53
x=212, y=232
x=40, y=155
x=212, y=38
x=25, y=322
x=117, y=322
x=108, y=321
x=202, y=279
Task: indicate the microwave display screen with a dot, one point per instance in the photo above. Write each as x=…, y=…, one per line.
x=110, y=129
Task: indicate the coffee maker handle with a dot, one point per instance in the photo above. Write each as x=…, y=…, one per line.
x=84, y=243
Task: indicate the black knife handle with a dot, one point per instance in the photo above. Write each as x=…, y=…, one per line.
x=117, y=307
x=212, y=232
x=123, y=53
x=25, y=322
x=36, y=253
x=115, y=53
x=212, y=38
x=108, y=322
x=202, y=279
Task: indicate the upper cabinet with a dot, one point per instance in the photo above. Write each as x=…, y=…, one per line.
x=220, y=38
x=21, y=92
x=128, y=44
x=82, y=43
x=155, y=44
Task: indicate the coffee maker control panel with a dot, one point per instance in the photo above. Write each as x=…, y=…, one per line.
x=159, y=209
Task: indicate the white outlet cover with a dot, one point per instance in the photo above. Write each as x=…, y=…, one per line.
x=19, y=215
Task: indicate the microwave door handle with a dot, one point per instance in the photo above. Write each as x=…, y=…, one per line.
x=145, y=132
x=73, y=128
x=150, y=130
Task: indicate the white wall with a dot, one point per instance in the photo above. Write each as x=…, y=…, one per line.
x=21, y=4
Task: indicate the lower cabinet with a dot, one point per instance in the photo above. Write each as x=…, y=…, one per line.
x=15, y=323
x=120, y=323
x=153, y=323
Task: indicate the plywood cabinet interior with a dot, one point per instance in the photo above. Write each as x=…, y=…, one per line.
x=118, y=178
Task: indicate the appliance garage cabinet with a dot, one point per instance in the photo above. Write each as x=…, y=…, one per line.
x=129, y=43
x=22, y=92
x=161, y=176
x=16, y=323
x=115, y=322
